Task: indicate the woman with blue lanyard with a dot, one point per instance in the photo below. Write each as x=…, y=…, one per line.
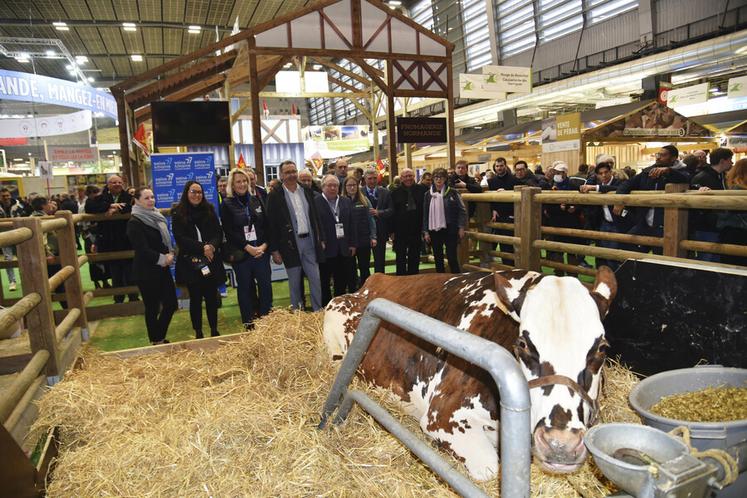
x=245, y=225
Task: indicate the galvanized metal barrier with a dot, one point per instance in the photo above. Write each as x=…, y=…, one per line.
x=515, y=432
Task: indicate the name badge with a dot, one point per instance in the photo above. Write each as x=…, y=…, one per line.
x=205, y=271
x=258, y=210
x=339, y=230
x=250, y=234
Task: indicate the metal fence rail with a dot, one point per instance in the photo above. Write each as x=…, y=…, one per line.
x=515, y=432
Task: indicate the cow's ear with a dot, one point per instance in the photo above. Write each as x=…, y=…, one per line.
x=604, y=290
x=502, y=286
x=511, y=287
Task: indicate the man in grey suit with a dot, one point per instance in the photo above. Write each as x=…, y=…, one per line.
x=296, y=238
x=382, y=211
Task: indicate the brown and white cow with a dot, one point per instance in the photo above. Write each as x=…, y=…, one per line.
x=553, y=326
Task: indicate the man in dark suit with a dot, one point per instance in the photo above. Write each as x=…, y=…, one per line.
x=407, y=202
x=336, y=217
x=296, y=238
x=114, y=199
x=602, y=218
x=255, y=190
x=382, y=211
x=502, y=212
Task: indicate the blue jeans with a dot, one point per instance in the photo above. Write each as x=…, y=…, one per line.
x=253, y=273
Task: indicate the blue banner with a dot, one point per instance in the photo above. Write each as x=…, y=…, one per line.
x=172, y=171
x=28, y=87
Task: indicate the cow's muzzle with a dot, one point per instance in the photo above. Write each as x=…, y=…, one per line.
x=559, y=451
x=551, y=380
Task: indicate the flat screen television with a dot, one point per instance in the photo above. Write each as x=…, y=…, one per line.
x=190, y=123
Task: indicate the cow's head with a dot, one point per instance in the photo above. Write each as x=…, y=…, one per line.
x=561, y=349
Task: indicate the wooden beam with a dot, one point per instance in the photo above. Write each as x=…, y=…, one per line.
x=256, y=118
x=348, y=54
x=371, y=72
x=124, y=135
x=434, y=94
x=243, y=108
x=185, y=94
x=346, y=86
x=268, y=74
x=342, y=70
x=450, y=113
x=163, y=88
x=391, y=133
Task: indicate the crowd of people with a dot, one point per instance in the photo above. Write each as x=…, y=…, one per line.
x=325, y=232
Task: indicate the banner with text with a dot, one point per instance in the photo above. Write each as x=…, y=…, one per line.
x=28, y=87
x=421, y=130
x=696, y=94
x=478, y=86
x=510, y=79
x=172, y=171
x=561, y=133
x=75, y=154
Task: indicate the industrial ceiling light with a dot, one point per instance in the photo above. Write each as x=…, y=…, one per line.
x=60, y=26
x=81, y=59
x=137, y=57
x=91, y=79
x=129, y=26
x=194, y=30
x=23, y=57
x=50, y=53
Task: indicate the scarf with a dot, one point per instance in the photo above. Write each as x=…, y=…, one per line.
x=154, y=219
x=436, y=211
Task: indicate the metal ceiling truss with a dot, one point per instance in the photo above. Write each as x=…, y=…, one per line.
x=46, y=44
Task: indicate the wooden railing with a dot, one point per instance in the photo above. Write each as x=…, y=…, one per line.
x=528, y=230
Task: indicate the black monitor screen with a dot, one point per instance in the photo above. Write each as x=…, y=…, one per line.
x=190, y=123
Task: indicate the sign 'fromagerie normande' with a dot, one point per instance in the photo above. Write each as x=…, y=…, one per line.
x=421, y=130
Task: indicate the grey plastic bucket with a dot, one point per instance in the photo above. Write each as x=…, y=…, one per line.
x=704, y=435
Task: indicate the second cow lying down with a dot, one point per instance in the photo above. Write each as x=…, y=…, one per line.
x=553, y=325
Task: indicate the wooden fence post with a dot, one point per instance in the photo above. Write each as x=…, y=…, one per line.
x=482, y=216
x=69, y=256
x=527, y=226
x=32, y=265
x=464, y=245
x=675, y=224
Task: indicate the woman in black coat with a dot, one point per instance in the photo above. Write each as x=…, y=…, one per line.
x=246, y=228
x=199, y=266
x=150, y=238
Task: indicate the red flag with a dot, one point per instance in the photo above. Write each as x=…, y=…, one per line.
x=140, y=139
x=241, y=164
x=265, y=109
x=294, y=110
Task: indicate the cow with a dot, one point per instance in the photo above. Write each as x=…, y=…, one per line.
x=553, y=325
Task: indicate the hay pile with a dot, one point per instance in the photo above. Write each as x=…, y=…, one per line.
x=241, y=422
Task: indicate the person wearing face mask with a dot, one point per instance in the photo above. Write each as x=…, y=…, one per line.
x=503, y=212
x=150, y=238
x=444, y=221
x=562, y=215
x=365, y=229
x=199, y=267
x=246, y=227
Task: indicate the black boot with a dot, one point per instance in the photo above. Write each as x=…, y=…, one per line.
x=214, y=333
x=198, y=334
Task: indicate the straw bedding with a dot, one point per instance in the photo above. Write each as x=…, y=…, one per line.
x=242, y=422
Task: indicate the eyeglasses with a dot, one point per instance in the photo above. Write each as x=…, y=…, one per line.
x=196, y=192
